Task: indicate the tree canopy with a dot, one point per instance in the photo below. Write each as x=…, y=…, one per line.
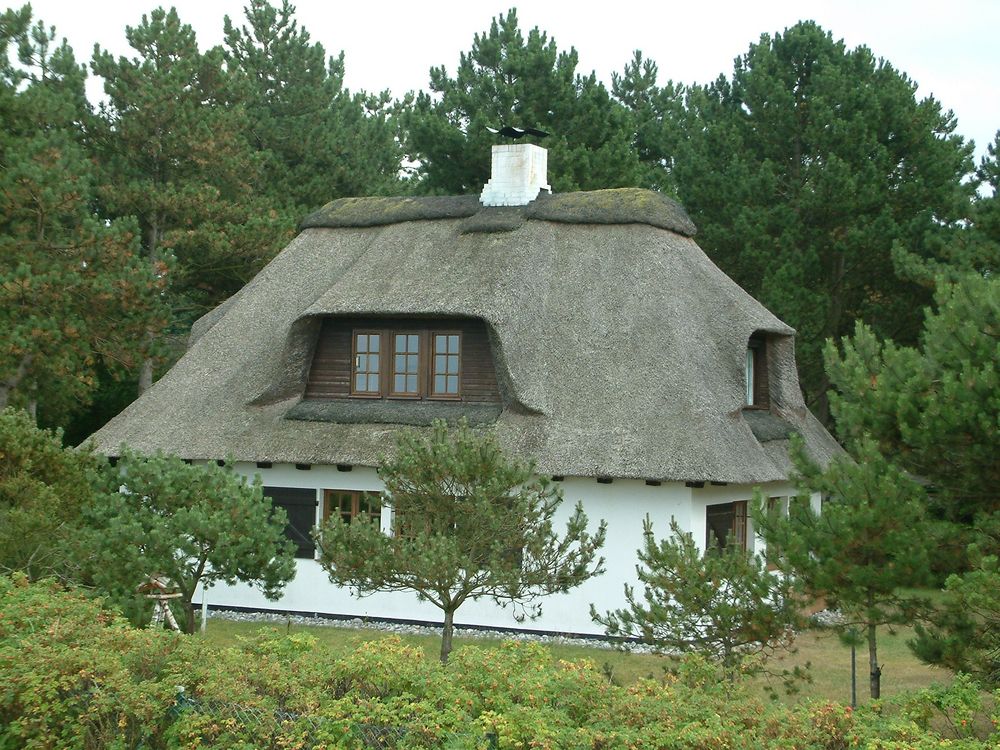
x=506, y=79
x=172, y=145
x=317, y=141
x=467, y=523
x=73, y=292
x=804, y=169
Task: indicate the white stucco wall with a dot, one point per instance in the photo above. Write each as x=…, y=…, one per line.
x=622, y=503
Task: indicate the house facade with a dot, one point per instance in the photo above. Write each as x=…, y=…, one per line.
x=586, y=331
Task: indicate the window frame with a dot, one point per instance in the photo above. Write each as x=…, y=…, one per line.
x=387, y=363
x=355, y=333
x=356, y=509
x=392, y=333
x=756, y=381
x=432, y=369
x=738, y=528
x=289, y=499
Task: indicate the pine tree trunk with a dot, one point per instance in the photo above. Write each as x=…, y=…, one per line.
x=874, y=671
x=446, y=634
x=146, y=375
x=189, y=623
x=8, y=385
x=153, y=254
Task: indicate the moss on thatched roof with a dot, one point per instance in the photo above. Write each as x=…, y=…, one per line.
x=619, y=206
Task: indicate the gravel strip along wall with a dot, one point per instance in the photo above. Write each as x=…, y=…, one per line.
x=275, y=618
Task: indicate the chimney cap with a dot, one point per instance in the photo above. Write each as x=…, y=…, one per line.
x=512, y=131
x=518, y=175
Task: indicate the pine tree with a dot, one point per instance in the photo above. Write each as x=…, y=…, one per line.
x=73, y=292
x=804, y=169
x=656, y=112
x=935, y=407
x=724, y=604
x=467, y=524
x=318, y=141
x=860, y=554
x=507, y=80
x=172, y=145
x=194, y=524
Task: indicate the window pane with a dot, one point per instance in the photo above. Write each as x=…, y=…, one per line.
x=399, y=383
x=453, y=384
x=439, y=384
x=453, y=344
x=400, y=365
x=452, y=365
x=749, y=374
x=411, y=383
x=440, y=344
x=373, y=383
x=359, y=382
x=373, y=342
x=413, y=345
x=362, y=343
x=440, y=361
x=400, y=343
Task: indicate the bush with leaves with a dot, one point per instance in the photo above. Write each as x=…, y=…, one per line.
x=194, y=524
x=75, y=676
x=723, y=604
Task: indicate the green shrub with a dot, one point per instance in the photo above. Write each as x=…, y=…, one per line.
x=75, y=675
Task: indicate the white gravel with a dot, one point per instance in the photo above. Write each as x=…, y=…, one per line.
x=275, y=618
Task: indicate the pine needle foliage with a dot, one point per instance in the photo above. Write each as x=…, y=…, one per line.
x=467, y=523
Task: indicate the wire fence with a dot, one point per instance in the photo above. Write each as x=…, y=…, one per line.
x=272, y=722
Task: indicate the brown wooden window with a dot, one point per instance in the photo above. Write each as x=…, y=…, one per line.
x=350, y=504
x=405, y=364
x=757, y=388
x=445, y=364
x=726, y=523
x=367, y=379
x=333, y=374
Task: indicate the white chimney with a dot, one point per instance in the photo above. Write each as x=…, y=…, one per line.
x=518, y=174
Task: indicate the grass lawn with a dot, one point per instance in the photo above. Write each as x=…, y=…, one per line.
x=830, y=659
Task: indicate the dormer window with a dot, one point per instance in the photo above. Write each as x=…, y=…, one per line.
x=757, y=391
x=404, y=369
x=402, y=359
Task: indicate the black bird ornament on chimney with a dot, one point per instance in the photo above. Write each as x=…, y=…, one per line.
x=510, y=131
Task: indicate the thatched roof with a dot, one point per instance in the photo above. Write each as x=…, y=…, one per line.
x=619, y=345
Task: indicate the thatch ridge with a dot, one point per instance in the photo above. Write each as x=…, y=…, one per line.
x=375, y=212
x=615, y=206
